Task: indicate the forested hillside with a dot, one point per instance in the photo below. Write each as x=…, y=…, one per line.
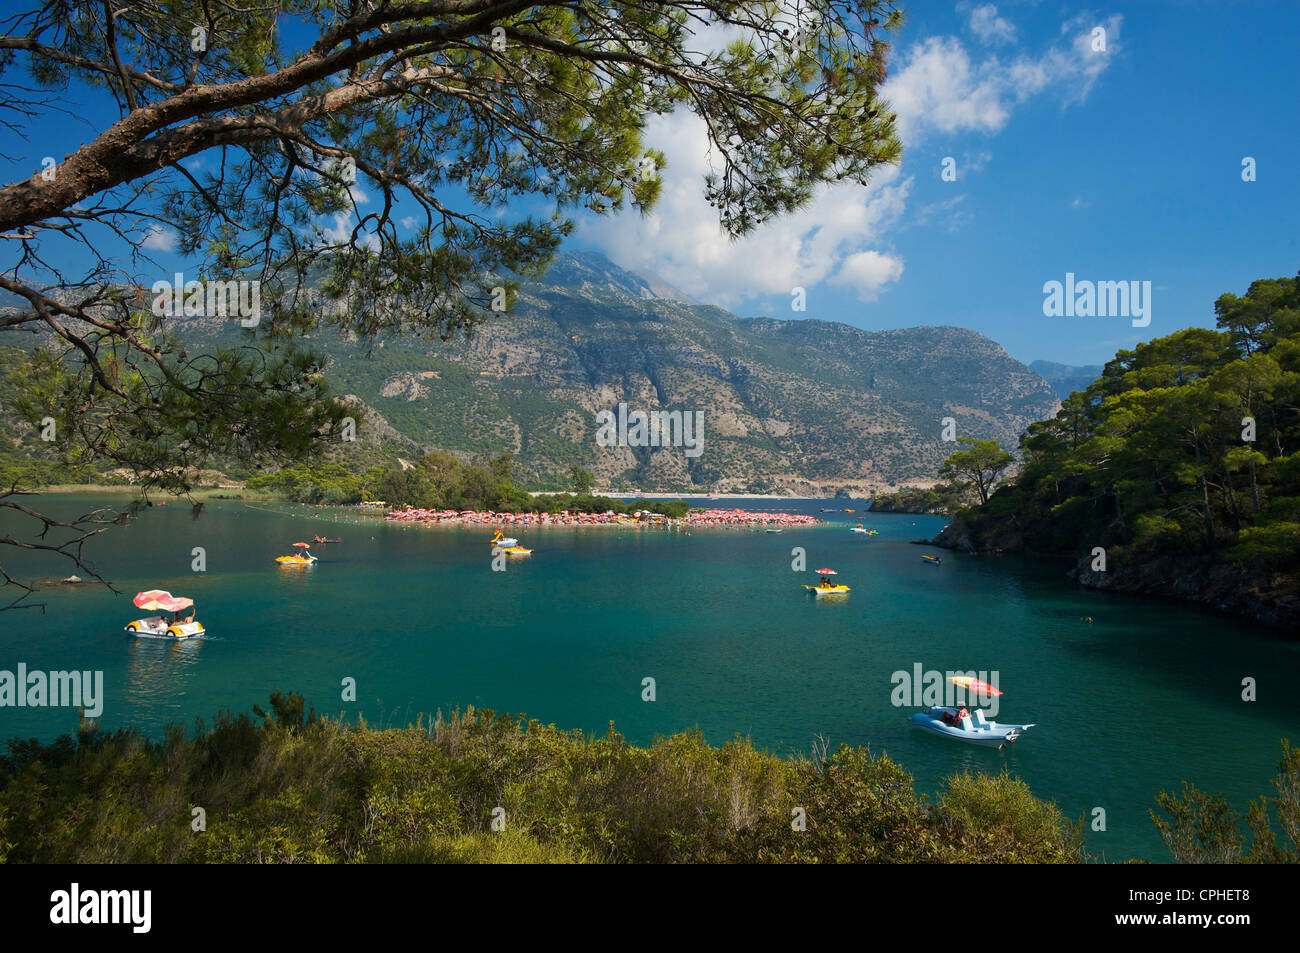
x=1177, y=471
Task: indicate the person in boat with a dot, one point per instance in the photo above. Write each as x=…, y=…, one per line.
x=189, y=618
x=962, y=714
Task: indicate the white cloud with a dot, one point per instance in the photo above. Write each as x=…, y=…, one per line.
x=868, y=272
x=841, y=236
x=344, y=222
x=158, y=238
x=682, y=241
x=938, y=87
x=989, y=27
x=949, y=213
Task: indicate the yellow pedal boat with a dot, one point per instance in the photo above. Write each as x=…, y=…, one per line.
x=302, y=557
x=826, y=587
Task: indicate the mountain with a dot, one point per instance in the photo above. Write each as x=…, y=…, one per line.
x=802, y=404
x=795, y=403
x=1064, y=378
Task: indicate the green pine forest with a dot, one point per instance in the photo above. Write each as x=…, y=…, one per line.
x=1177, y=470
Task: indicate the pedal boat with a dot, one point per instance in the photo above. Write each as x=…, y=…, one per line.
x=859, y=529
x=501, y=541
x=973, y=728
x=511, y=550
x=157, y=625
x=826, y=587
x=301, y=558
x=161, y=600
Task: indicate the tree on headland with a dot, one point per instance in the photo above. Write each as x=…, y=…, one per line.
x=1181, y=458
x=979, y=465
x=583, y=480
x=354, y=160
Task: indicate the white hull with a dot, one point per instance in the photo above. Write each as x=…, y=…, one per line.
x=972, y=730
x=156, y=628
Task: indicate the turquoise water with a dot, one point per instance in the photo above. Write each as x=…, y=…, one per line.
x=1146, y=695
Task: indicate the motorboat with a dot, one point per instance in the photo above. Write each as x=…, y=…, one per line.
x=859, y=529
x=972, y=727
x=932, y=560
x=302, y=557
x=169, y=624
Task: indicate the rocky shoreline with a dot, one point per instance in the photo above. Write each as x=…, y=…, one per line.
x=890, y=506
x=1219, y=586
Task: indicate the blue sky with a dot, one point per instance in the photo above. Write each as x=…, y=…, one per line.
x=1122, y=164
x=1122, y=167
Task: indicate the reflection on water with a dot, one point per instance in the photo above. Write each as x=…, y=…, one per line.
x=159, y=669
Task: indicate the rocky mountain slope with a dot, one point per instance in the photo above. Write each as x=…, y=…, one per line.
x=800, y=404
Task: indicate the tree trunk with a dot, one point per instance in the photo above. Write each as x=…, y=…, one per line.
x=1254, y=491
x=1230, y=498
x=1209, y=519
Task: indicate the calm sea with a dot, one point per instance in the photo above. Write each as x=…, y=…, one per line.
x=1146, y=695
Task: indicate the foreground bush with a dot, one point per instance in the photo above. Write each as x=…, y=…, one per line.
x=287, y=787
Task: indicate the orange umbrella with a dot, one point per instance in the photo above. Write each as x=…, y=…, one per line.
x=303, y=545
x=973, y=685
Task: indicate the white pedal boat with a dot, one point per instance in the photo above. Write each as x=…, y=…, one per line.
x=973, y=728
x=160, y=600
x=160, y=627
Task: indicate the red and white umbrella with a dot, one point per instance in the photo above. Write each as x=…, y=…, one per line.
x=827, y=572
x=160, y=600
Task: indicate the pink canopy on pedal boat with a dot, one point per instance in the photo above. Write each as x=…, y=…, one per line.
x=160, y=600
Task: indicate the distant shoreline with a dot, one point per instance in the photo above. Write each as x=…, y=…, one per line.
x=693, y=496
x=236, y=494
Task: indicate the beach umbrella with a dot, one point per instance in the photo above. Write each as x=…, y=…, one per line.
x=827, y=572
x=150, y=598
x=303, y=545
x=160, y=600
x=973, y=684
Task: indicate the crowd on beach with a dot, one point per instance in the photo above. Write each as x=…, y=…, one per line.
x=713, y=517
